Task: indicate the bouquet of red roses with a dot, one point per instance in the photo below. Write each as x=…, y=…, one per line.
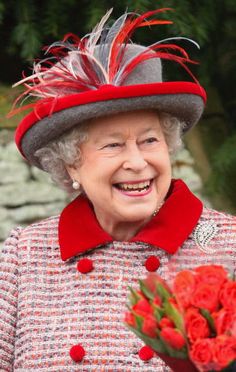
x=191, y=326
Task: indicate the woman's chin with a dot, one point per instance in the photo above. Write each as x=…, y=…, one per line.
x=138, y=214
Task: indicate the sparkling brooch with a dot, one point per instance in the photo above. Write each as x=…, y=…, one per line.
x=204, y=233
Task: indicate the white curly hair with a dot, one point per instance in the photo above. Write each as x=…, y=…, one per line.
x=65, y=151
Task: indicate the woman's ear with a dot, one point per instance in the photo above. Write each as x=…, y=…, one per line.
x=73, y=172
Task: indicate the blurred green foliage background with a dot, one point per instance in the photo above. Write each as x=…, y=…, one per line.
x=26, y=25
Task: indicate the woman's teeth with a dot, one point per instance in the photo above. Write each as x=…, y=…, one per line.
x=134, y=186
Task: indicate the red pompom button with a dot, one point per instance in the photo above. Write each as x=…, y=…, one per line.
x=152, y=263
x=146, y=353
x=77, y=353
x=85, y=265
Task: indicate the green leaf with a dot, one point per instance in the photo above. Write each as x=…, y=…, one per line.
x=146, y=291
x=175, y=315
x=155, y=343
x=207, y=315
x=139, y=321
x=133, y=297
x=158, y=312
x=159, y=345
x=163, y=292
x=181, y=354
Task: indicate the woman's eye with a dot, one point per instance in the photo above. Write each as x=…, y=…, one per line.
x=151, y=140
x=112, y=145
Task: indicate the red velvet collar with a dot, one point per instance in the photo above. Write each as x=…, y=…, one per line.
x=79, y=230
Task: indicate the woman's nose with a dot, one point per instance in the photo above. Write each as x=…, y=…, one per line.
x=134, y=159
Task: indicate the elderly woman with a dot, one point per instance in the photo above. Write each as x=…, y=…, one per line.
x=104, y=126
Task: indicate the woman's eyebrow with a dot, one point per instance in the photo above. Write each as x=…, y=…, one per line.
x=108, y=136
x=119, y=135
x=144, y=131
x=149, y=129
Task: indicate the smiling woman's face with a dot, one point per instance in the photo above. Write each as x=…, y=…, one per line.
x=125, y=170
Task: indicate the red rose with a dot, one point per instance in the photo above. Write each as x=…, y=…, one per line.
x=157, y=301
x=140, y=295
x=224, y=350
x=183, y=287
x=225, y=321
x=129, y=319
x=196, y=325
x=228, y=295
x=173, y=302
x=149, y=326
x=201, y=352
x=166, y=322
x=173, y=337
x=142, y=308
x=232, y=330
x=136, y=296
x=152, y=281
x=211, y=274
x=205, y=297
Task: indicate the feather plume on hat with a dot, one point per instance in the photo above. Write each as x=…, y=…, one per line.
x=79, y=65
x=100, y=74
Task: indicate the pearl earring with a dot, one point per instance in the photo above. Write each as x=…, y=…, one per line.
x=75, y=185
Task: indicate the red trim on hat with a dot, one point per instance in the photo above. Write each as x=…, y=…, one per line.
x=105, y=93
x=79, y=230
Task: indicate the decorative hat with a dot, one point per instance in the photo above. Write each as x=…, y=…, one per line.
x=101, y=74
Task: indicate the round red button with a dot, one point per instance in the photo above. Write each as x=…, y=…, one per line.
x=152, y=263
x=77, y=353
x=85, y=265
x=146, y=353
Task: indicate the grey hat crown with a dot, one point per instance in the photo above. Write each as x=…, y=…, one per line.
x=131, y=73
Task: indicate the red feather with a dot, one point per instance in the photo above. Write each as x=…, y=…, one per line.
x=160, y=54
x=124, y=35
x=152, y=23
x=61, y=73
x=75, y=39
x=19, y=109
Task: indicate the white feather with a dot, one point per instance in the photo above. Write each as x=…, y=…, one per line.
x=176, y=38
x=96, y=32
x=111, y=37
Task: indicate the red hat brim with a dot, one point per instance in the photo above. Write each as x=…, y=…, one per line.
x=51, y=118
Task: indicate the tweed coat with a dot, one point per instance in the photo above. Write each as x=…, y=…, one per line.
x=47, y=305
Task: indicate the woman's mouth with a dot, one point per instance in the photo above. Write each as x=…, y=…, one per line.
x=140, y=188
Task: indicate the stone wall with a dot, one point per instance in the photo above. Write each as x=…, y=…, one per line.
x=27, y=194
